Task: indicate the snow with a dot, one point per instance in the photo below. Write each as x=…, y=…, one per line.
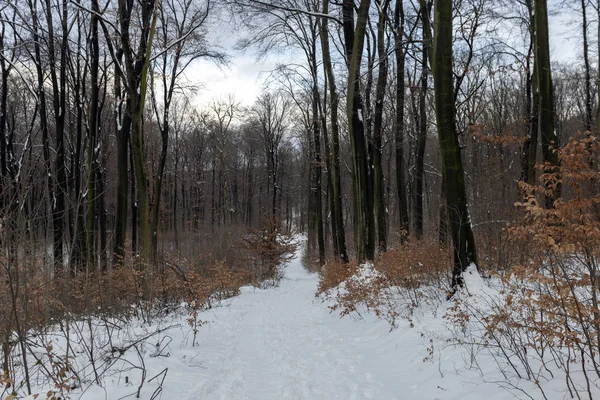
x=285, y=344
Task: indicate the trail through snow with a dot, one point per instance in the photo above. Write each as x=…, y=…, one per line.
x=284, y=344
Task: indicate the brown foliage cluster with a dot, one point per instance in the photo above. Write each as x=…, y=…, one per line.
x=269, y=248
x=415, y=264
x=481, y=134
x=365, y=288
x=116, y=291
x=549, y=308
x=39, y=299
x=202, y=285
x=34, y=299
x=400, y=280
x=334, y=273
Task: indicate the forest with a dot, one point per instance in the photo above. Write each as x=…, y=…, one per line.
x=425, y=139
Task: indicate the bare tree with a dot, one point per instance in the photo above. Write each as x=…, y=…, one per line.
x=272, y=113
x=181, y=40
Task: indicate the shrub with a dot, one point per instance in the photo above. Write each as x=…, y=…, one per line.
x=39, y=302
x=544, y=322
x=269, y=247
x=334, y=273
x=399, y=281
x=419, y=268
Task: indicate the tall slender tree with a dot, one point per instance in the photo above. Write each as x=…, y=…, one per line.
x=380, y=91
x=354, y=39
x=135, y=79
x=400, y=55
x=422, y=132
x=338, y=211
x=586, y=64
x=546, y=90
x=453, y=176
x=93, y=132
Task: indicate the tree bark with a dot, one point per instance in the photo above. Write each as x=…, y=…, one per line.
x=59, y=105
x=338, y=210
x=4, y=72
x=380, y=208
x=546, y=92
x=422, y=136
x=122, y=129
x=588, y=78
x=354, y=41
x=49, y=190
x=136, y=67
x=529, y=154
x=92, y=135
x=317, y=179
x=78, y=257
x=452, y=167
x=400, y=55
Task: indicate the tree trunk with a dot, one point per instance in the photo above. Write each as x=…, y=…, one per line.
x=158, y=180
x=380, y=208
x=143, y=203
x=79, y=235
x=546, y=92
x=400, y=55
x=59, y=104
x=421, y=138
x=134, y=204
x=452, y=167
x=102, y=225
x=3, y=106
x=175, y=193
x=92, y=135
x=588, y=79
x=354, y=41
x=250, y=196
x=122, y=129
x=49, y=192
x=329, y=198
x=317, y=178
x=136, y=66
x=338, y=211
x=529, y=154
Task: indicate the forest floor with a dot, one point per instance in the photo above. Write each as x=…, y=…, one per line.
x=284, y=343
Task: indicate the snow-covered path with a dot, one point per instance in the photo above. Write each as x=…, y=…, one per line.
x=284, y=343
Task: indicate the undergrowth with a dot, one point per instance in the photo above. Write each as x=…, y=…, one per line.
x=538, y=316
x=398, y=282
x=90, y=312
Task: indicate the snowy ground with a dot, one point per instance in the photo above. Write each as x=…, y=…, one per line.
x=284, y=343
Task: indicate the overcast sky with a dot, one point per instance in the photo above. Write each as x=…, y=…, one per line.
x=244, y=76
